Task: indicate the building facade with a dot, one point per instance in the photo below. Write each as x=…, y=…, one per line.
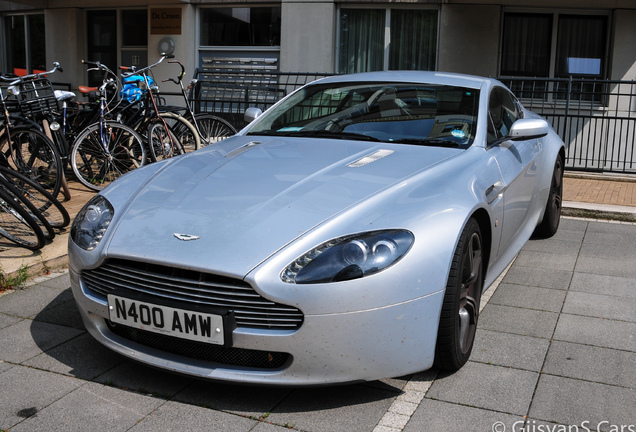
x=542, y=38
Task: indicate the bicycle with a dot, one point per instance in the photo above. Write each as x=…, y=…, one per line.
x=211, y=129
x=53, y=211
x=17, y=224
x=106, y=149
x=27, y=149
x=145, y=116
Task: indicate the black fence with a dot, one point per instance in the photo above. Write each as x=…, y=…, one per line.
x=596, y=119
x=229, y=93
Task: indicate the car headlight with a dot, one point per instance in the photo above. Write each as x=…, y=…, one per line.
x=91, y=223
x=349, y=257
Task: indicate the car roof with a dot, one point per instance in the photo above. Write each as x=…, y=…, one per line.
x=445, y=78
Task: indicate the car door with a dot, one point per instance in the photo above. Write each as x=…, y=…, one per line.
x=517, y=163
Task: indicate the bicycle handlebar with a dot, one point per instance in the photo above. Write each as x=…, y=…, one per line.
x=133, y=70
x=14, y=80
x=180, y=76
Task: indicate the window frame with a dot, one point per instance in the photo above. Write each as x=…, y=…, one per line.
x=387, y=28
x=556, y=13
x=5, y=60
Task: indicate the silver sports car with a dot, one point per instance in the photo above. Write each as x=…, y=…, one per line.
x=346, y=234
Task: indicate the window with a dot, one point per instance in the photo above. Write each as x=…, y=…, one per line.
x=503, y=111
x=387, y=39
x=255, y=26
x=554, y=45
x=24, y=43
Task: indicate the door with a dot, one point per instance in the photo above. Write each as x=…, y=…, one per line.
x=516, y=160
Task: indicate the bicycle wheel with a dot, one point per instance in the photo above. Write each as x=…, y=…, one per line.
x=18, y=226
x=162, y=142
x=183, y=130
x=213, y=129
x=20, y=200
x=102, y=154
x=44, y=202
x=35, y=155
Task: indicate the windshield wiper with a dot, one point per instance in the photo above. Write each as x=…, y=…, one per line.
x=318, y=133
x=439, y=142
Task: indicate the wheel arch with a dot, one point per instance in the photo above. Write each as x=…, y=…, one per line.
x=483, y=220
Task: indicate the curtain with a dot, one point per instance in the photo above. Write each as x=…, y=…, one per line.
x=413, y=39
x=581, y=37
x=526, y=45
x=361, y=40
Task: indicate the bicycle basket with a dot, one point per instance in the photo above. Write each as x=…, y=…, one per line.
x=134, y=87
x=36, y=97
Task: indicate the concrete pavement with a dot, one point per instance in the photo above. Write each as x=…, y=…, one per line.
x=556, y=347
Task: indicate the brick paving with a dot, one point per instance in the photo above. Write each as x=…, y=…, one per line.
x=600, y=191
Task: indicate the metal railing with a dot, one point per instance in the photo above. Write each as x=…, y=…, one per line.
x=229, y=93
x=595, y=118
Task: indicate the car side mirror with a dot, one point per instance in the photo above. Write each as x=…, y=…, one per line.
x=252, y=114
x=525, y=129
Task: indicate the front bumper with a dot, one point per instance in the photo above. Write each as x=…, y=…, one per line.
x=383, y=342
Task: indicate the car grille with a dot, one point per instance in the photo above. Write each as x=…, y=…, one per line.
x=251, y=310
x=201, y=351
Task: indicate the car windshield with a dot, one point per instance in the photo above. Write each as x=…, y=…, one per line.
x=417, y=114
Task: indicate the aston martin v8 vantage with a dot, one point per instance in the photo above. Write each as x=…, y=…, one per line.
x=346, y=234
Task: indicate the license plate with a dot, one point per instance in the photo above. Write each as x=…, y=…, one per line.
x=167, y=320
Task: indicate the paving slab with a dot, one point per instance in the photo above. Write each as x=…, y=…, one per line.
x=597, y=332
x=495, y=348
x=497, y=388
x=347, y=408
x=546, y=260
x=603, y=284
x=569, y=401
x=245, y=401
x=538, y=277
x=434, y=415
x=602, y=365
x=529, y=297
x=517, y=320
x=92, y=407
x=27, y=391
x=27, y=303
x=600, y=306
x=81, y=357
x=179, y=417
x=27, y=339
x=8, y=320
x=135, y=376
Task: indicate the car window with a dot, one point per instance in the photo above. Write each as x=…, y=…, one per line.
x=390, y=112
x=503, y=111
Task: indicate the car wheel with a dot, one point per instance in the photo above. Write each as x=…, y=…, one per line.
x=552, y=215
x=460, y=309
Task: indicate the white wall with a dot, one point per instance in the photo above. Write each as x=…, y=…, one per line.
x=307, y=36
x=469, y=39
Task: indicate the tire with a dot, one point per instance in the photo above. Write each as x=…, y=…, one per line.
x=18, y=226
x=54, y=212
x=19, y=200
x=183, y=130
x=552, y=214
x=213, y=129
x=163, y=144
x=93, y=166
x=460, y=309
x=35, y=156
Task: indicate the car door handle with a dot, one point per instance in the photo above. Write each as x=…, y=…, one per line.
x=494, y=191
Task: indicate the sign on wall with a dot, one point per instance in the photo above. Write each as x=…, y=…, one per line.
x=165, y=21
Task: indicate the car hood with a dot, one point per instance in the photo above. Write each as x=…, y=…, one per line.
x=244, y=200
